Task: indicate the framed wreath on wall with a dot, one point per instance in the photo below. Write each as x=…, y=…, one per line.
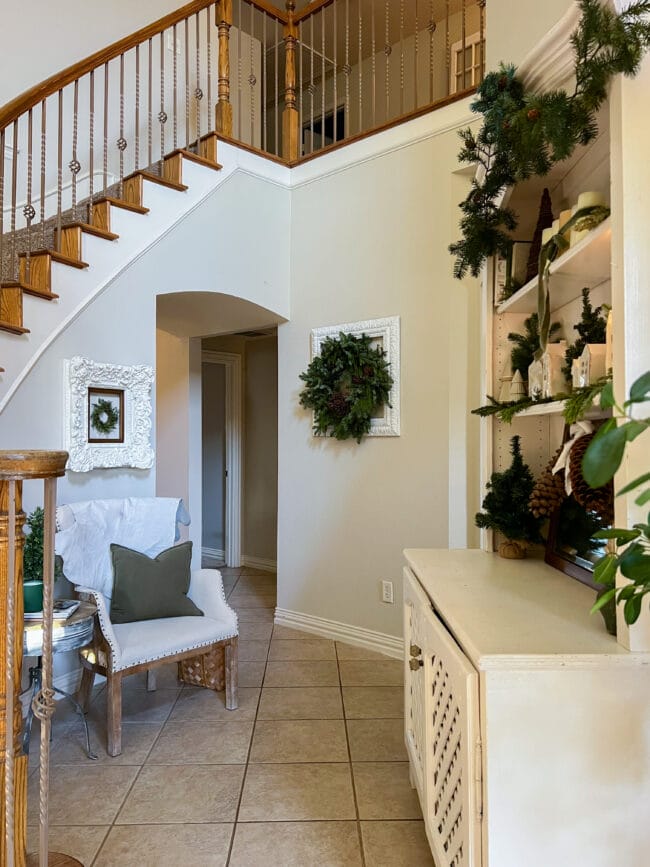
x=352, y=382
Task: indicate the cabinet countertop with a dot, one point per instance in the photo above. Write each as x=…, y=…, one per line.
x=516, y=613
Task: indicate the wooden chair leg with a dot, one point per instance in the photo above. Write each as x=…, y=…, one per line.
x=231, y=654
x=85, y=687
x=151, y=680
x=114, y=714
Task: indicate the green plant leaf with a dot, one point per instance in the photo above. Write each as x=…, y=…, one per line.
x=640, y=389
x=634, y=563
x=632, y=609
x=605, y=570
x=603, y=456
x=603, y=600
x=607, y=396
x=633, y=429
x=634, y=484
x=621, y=536
x=643, y=498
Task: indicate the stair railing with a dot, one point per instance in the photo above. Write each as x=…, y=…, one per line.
x=289, y=84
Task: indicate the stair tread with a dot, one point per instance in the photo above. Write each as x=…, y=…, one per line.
x=189, y=155
x=156, y=179
x=31, y=290
x=13, y=329
x=120, y=203
x=91, y=230
x=56, y=257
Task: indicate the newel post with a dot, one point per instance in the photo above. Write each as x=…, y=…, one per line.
x=223, y=109
x=290, y=117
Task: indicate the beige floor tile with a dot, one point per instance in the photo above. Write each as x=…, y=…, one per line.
x=302, y=673
x=286, y=632
x=373, y=702
x=254, y=615
x=252, y=600
x=257, y=573
x=69, y=746
x=384, y=792
x=299, y=741
x=350, y=651
x=88, y=794
x=308, y=702
x=253, y=650
x=376, y=740
x=230, y=571
x=285, y=649
x=257, y=582
x=396, y=844
x=255, y=631
x=195, y=703
x=285, y=793
x=138, y=705
x=166, y=678
x=296, y=844
x=169, y=794
x=381, y=672
x=251, y=673
x=202, y=743
x=166, y=846
x=79, y=841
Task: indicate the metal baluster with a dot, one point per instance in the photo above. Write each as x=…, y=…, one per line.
x=464, y=34
x=264, y=88
x=239, y=62
x=277, y=99
x=28, y=210
x=74, y=165
x=374, y=65
x=162, y=114
x=401, y=60
x=43, y=158
x=432, y=29
x=2, y=203
x=14, y=180
x=448, y=50
x=59, y=173
x=208, y=60
x=136, y=155
x=121, y=142
x=415, y=56
x=105, y=130
x=336, y=73
x=311, y=80
x=481, y=43
x=252, y=81
x=300, y=86
x=322, y=42
x=175, y=86
x=360, y=70
x=91, y=143
x=198, y=93
x=347, y=69
x=187, y=82
x=150, y=105
x=387, y=52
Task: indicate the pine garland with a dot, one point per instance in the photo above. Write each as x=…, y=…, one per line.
x=575, y=407
x=345, y=385
x=526, y=133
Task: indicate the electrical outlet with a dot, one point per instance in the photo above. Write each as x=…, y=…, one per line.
x=387, y=591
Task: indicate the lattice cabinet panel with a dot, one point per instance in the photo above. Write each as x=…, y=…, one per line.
x=443, y=733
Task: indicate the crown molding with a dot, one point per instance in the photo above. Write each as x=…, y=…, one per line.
x=551, y=62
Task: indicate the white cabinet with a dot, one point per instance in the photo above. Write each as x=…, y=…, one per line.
x=527, y=726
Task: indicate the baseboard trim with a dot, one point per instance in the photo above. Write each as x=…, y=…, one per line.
x=68, y=682
x=259, y=563
x=389, y=645
x=214, y=554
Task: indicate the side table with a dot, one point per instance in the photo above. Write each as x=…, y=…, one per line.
x=70, y=634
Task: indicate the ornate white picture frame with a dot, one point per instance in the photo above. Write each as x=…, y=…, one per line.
x=83, y=377
x=386, y=333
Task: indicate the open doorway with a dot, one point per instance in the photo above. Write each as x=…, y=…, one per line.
x=239, y=449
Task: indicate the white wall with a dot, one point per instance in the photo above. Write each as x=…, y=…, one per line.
x=371, y=241
x=513, y=29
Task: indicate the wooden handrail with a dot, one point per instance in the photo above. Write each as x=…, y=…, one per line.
x=310, y=9
x=32, y=97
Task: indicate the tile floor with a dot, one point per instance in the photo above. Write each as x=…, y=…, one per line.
x=310, y=771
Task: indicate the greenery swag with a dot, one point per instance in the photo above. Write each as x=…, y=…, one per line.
x=104, y=417
x=344, y=385
x=525, y=133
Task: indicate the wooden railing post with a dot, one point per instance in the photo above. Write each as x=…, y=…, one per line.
x=290, y=117
x=223, y=110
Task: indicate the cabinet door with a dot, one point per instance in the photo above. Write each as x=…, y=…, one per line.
x=443, y=733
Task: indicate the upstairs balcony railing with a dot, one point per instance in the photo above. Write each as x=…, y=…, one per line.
x=290, y=83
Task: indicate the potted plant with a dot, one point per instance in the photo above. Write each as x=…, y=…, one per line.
x=507, y=509
x=33, y=561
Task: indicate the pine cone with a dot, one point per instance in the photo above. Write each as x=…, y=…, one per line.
x=533, y=114
x=503, y=82
x=598, y=500
x=338, y=405
x=549, y=492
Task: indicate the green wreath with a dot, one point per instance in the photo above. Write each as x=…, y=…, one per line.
x=104, y=417
x=345, y=385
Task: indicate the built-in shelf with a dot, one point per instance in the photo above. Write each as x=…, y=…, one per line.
x=557, y=408
x=588, y=263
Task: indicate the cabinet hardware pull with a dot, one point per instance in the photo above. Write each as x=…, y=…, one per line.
x=415, y=664
x=415, y=650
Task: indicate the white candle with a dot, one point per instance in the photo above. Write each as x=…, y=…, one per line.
x=590, y=200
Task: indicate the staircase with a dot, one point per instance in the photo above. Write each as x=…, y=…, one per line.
x=89, y=253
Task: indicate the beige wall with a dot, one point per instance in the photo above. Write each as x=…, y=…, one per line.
x=514, y=29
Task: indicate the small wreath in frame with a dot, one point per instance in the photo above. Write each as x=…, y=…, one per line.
x=345, y=385
x=104, y=417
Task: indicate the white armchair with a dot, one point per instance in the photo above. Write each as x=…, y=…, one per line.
x=121, y=649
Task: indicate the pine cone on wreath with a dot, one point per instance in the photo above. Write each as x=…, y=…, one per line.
x=598, y=500
x=549, y=491
x=338, y=405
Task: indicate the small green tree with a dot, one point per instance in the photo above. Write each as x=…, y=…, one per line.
x=526, y=345
x=33, y=549
x=592, y=328
x=506, y=503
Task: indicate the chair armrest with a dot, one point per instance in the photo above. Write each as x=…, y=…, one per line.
x=206, y=591
x=103, y=612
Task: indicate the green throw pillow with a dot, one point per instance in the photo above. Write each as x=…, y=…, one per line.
x=146, y=589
